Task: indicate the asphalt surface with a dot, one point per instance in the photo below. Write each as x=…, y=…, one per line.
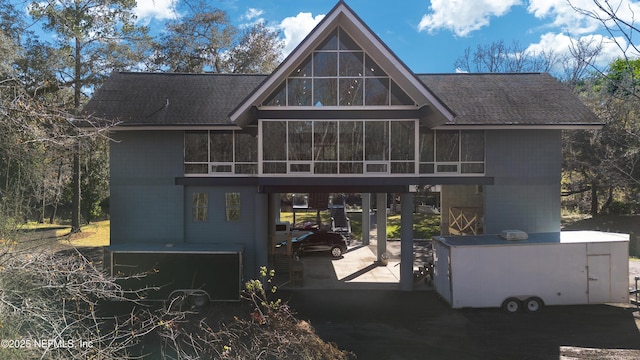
x=389, y=324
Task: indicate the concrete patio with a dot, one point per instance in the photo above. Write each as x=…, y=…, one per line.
x=358, y=268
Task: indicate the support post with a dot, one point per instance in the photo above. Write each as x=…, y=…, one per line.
x=381, y=224
x=406, y=242
x=275, y=203
x=261, y=232
x=273, y=216
x=366, y=219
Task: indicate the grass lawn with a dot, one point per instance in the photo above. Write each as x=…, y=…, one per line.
x=94, y=234
x=33, y=235
x=425, y=226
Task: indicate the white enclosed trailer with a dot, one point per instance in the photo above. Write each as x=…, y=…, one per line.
x=566, y=268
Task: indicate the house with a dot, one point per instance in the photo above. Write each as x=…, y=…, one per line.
x=203, y=158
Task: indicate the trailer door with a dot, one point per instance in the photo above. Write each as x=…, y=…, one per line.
x=599, y=278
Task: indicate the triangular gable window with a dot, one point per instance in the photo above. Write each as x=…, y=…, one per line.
x=338, y=73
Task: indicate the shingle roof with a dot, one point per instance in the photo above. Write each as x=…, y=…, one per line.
x=167, y=99
x=509, y=99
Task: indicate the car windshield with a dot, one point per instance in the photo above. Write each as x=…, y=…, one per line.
x=302, y=237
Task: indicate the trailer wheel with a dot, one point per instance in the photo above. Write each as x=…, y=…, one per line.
x=533, y=304
x=511, y=305
x=198, y=299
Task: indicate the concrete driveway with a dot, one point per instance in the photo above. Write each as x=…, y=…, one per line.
x=358, y=268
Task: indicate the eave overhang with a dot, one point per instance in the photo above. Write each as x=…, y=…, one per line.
x=585, y=126
x=269, y=184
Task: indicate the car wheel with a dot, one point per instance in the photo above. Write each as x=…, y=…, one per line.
x=511, y=305
x=533, y=304
x=336, y=252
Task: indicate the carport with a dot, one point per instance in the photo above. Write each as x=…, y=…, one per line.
x=359, y=268
x=363, y=262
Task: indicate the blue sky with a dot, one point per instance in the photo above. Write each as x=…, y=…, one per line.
x=427, y=35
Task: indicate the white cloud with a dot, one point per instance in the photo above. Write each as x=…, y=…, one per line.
x=295, y=29
x=155, y=9
x=560, y=45
x=463, y=16
x=251, y=17
x=253, y=13
x=564, y=16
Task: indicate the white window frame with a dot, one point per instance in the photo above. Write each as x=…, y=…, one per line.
x=458, y=163
x=363, y=77
x=388, y=163
x=210, y=164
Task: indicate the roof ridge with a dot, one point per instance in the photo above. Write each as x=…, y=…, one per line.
x=185, y=73
x=483, y=73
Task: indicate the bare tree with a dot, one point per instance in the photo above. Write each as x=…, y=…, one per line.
x=583, y=55
x=609, y=15
x=270, y=331
x=607, y=159
x=499, y=57
x=52, y=305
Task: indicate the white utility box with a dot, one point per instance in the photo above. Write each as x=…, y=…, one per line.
x=565, y=268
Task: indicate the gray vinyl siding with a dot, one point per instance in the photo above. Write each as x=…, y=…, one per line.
x=146, y=205
x=216, y=229
x=526, y=166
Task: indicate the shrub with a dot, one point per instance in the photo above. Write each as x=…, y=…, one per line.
x=60, y=298
x=620, y=208
x=270, y=331
x=49, y=308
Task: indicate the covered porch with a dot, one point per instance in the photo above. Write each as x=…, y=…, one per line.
x=359, y=268
x=370, y=262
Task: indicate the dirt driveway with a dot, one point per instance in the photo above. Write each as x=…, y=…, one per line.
x=377, y=324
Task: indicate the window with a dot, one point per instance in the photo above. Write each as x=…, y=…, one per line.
x=232, y=203
x=339, y=147
x=451, y=152
x=299, y=140
x=471, y=152
x=196, y=152
x=221, y=147
x=403, y=147
x=221, y=152
x=376, y=140
x=200, y=207
x=338, y=73
x=447, y=146
x=331, y=147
